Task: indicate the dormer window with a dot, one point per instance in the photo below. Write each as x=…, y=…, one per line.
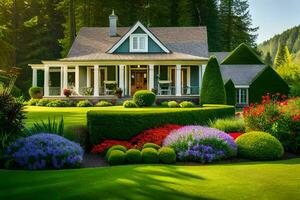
x=138, y=43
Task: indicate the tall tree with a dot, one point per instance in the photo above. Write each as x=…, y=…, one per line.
x=236, y=24
x=268, y=59
x=279, y=57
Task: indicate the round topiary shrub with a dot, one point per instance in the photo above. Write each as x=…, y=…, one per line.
x=104, y=104
x=150, y=155
x=84, y=103
x=133, y=156
x=129, y=104
x=144, y=98
x=43, y=151
x=173, y=104
x=115, y=147
x=259, y=146
x=164, y=104
x=116, y=157
x=36, y=92
x=151, y=145
x=187, y=104
x=167, y=155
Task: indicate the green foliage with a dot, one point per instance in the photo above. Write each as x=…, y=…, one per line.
x=150, y=155
x=50, y=126
x=106, y=124
x=32, y=102
x=229, y=125
x=282, y=56
x=213, y=90
x=151, y=145
x=116, y=157
x=130, y=104
x=259, y=146
x=268, y=59
x=43, y=102
x=267, y=81
x=104, y=104
x=36, y=92
x=164, y=104
x=84, y=103
x=243, y=55
x=167, y=155
x=78, y=134
x=58, y=103
x=187, y=104
x=144, y=98
x=115, y=147
x=173, y=104
x=230, y=93
x=133, y=156
x=295, y=90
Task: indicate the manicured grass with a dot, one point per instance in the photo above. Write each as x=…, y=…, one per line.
x=252, y=180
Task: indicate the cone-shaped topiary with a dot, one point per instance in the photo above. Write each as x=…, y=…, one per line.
x=213, y=90
x=243, y=55
x=230, y=93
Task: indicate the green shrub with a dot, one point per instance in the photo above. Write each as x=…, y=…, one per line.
x=187, y=104
x=164, y=104
x=230, y=93
x=57, y=103
x=50, y=126
x=85, y=103
x=116, y=157
x=43, y=102
x=115, y=147
x=129, y=104
x=104, y=104
x=36, y=92
x=295, y=90
x=173, y=104
x=107, y=124
x=133, y=156
x=144, y=98
x=32, y=102
x=151, y=145
x=229, y=125
x=150, y=155
x=259, y=146
x=213, y=90
x=242, y=54
x=167, y=155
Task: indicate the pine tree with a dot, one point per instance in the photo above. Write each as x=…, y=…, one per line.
x=268, y=59
x=280, y=56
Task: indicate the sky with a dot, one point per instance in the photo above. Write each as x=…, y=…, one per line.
x=274, y=16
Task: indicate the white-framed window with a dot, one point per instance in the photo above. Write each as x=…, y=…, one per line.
x=242, y=95
x=139, y=43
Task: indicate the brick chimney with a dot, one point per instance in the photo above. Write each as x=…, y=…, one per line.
x=113, y=24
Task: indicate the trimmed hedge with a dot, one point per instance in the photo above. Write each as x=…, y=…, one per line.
x=230, y=93
x=36, y=92
x=213, y=90
x=150, y=155
x=268, y=81
x=133, y=156
x=144, y=98
x=151, y=145
x=123, y=124
x=116, y=157
x=167, y=155
x=242, y=54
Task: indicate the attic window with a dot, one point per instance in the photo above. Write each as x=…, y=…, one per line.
x=138, y=43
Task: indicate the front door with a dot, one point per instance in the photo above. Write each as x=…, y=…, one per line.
x=138, y=80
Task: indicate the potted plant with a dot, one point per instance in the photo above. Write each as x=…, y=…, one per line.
x=118, y=92
x=67, y=92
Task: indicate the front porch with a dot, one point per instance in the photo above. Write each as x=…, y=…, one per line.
x=99, y=81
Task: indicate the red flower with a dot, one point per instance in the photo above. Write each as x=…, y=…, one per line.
x=235, y=135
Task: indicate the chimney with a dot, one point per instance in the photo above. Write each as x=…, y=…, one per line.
x=113, y=24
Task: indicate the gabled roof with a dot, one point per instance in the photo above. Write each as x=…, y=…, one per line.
x=134, y=28
x=241, y=74
x=92, y=43
x=243, y=55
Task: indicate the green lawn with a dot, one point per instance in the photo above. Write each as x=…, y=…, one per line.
x=253, y=180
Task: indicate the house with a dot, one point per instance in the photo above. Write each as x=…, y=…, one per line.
x=170, y=60
x=251, y=77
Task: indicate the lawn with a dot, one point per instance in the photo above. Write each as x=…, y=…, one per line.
x=253, y=180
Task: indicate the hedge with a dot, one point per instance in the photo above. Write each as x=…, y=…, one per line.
x=124, y=124
x=244, y=55
x=268, y=81
x=213, y=90
x=230, y=93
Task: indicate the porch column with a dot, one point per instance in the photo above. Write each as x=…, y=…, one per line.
x=96, y=80
x=200, y=78
x=121, y=77
x=77, y=79
x=64, y=73
x=126, y=80
x=151, y=76
x=34, y=77
x=178, y=80
x=46, y=80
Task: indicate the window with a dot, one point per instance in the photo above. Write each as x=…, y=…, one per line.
x=242, y=96
x=139, y=43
